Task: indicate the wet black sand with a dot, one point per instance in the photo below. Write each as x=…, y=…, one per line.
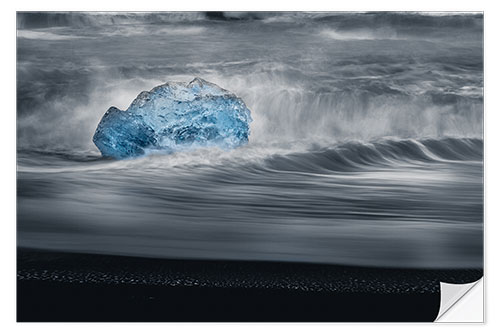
x=56, y=286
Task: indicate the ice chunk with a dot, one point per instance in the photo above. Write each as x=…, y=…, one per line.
x=173, y=117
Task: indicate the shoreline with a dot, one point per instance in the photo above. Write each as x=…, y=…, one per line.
x=61, y=286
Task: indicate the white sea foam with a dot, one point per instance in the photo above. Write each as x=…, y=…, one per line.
x=44, y=35
x=361, y=34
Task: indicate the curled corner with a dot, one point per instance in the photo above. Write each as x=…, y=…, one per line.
x=451, y=294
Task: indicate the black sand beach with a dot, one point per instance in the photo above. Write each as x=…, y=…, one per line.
x=57, y=286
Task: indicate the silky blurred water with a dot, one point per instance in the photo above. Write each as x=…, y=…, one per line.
x=366, y=146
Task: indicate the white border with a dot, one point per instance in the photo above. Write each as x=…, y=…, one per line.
x=8, y=182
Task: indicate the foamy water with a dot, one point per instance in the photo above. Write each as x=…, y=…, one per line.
x=366, y=146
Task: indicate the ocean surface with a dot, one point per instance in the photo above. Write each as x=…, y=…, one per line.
x=366, y=146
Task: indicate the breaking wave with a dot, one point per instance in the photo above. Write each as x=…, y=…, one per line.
x=341, y=157
x=333, y=204
x=304, y=76
x=29, y=20
x=349, y=157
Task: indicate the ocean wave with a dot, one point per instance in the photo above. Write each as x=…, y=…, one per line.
x=36, y=20
x=355, y=156
x=298, y=84
x=148, y=30
x=295, y=157
x=342, y=19
x=354, y=143
x=337, y=203
x=287, y=103
x=44, y=35
x=361, y=34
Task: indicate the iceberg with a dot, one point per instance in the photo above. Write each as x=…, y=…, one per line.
x=175, y=116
